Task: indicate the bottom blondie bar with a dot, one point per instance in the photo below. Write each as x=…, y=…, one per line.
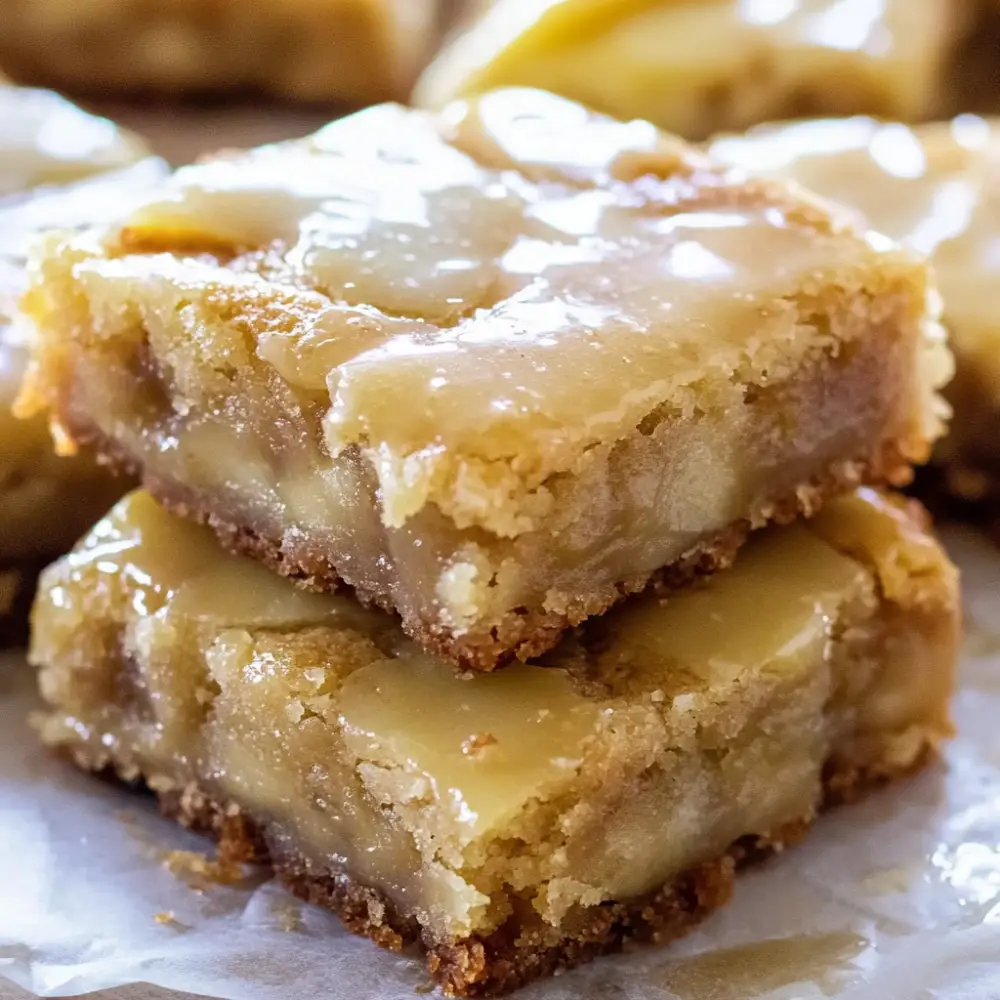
x=520, y=822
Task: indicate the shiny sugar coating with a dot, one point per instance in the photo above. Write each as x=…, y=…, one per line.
x=525, y=274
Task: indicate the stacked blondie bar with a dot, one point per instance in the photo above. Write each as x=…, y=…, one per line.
x=516, y=554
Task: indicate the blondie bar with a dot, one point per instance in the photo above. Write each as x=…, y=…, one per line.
x=935, y=188
x=494, y=369
x=353, y=51
x=701, y=66
x=48, y=151
x=524, y=821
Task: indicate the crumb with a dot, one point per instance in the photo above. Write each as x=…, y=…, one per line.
x=888, y=881
x=200, y=871
x=287, y=914
x=477, y=742
x=424, y=988
x=166, y=918
x=126, y=817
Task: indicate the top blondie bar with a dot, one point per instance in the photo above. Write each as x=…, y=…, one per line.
x=495, y=368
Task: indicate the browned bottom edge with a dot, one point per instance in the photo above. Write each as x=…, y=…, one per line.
x=515, y=955
x=525, y=632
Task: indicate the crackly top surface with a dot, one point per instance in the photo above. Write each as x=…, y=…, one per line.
x=617, y=54
x=935, y=188
x=498, y=288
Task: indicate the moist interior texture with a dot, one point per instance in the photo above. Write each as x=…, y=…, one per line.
x=700, y=66
x=497, y=429
x=935, y=188
x=641, y=747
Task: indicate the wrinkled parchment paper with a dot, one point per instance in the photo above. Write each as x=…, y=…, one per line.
x=894, y=899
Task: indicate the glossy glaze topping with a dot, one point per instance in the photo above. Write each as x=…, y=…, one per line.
x=493, y=742
x=526, y=297
x=161, y=564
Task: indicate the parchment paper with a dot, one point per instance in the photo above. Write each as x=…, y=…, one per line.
x=894, y=899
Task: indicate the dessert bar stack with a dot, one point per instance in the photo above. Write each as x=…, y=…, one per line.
x=516, y=554
x=58, y=167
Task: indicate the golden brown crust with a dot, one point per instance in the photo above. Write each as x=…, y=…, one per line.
x=526, y=633
x=514, y=955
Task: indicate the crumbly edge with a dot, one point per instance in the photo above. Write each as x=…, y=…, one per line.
x=524, y=633
x=508, y=959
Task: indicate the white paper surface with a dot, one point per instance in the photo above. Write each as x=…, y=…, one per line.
x=894, y=899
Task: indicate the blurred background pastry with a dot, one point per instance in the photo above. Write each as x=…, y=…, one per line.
x=700, y=66
x=346, y=51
